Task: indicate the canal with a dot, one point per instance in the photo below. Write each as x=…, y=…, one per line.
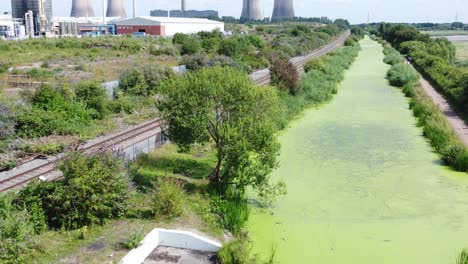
x=363, y=184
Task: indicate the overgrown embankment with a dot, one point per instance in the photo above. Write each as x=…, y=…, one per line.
x=434, y=58
x=320, y=81
x=435, y=126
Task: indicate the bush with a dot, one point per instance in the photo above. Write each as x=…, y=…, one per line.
x=95, y=189
x=284, y=75
x=134, y=240
x=233, y=213
x=168, y=199
x=95, y=97
x=180, y=38
x=318, y=65
x=393, y=58
x=238, y=251
x=350, y=42
x=401, y=74
x=195, y=62
x=7, y=123
x=54, y=110
x=15, y=232
x=190, y=47
x=144, y=80
x=463, y=257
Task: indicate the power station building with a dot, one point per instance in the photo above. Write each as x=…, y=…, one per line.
x=166, y=26
x=41, y=18
x=186, y=13
x=283, y=9
x=251, y=10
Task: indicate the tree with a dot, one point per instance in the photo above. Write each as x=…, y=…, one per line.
x=284, y=75
x=222, y=106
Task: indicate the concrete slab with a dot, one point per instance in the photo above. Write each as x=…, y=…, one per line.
x=170, y=255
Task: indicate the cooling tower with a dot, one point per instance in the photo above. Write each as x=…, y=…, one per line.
x=116, y=8
x=283, y=9
x=251, y=10
x=82, y=8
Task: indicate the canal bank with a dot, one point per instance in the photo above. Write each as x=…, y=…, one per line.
x=363, y=184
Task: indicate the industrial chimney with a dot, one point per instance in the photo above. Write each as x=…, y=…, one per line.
x=82, y=8
x=283, y=9
x=184, y=6
x=116, y=8
x=251, y=10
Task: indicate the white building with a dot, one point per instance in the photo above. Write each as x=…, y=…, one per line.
x=166, y=26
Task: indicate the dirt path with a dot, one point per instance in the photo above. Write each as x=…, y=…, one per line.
x=454, y=120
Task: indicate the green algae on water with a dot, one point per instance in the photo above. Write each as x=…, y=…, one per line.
x=363, y=184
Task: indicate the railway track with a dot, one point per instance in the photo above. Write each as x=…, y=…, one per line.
x=262, y=77
x=47, y=170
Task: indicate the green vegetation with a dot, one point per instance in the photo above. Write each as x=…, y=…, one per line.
x=221, y=105
x=463, y=258
x=434, y=58
x=168, y=198
x=134, y=240
x=238, y=251
x=435, y=125
x=401, y=74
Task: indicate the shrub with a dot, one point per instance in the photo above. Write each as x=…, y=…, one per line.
x=144, y=80
x=195, y=62
x=401, y=74
x=15, y=232
x=180, y=38
x=233, y=213
x=393, y=58
x=350, y=42
x=95, y=97
x=284, y=75
x=95, y=189
x=54, y=110
x=134, y=240
x=168, y=199
x=190, y=47
x=7, y=123
x=463, y=257
x=238, y=251
x=318, y=65
x=40, y=74
x=132, y=81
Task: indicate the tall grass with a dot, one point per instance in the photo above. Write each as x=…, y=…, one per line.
x=435, y=125
x=463, y=257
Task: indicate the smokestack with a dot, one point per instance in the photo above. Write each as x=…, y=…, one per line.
x=251, y=10
x=116, y=8
x=184, y=6
x=82, y=8
x=283, y=9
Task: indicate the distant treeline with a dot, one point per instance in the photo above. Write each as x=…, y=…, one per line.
x=267, y=20
x=429, y=26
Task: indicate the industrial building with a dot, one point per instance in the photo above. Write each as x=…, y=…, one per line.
x=186, y=13
x=166, y=26
x=251, y=10
x=36, y=15
x=283, y=9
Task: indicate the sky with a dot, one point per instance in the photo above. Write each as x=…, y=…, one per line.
x=356, y=11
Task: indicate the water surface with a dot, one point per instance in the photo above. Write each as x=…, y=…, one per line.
x=364, y=185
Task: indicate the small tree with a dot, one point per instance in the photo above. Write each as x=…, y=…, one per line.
x=284, y=75
x=222, y=106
